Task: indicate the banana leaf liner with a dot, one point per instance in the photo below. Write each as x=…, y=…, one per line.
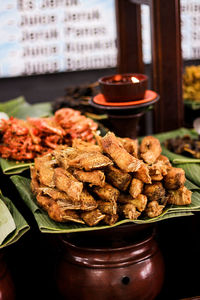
x=191, y=166
x=12, y=224
x=46, y=225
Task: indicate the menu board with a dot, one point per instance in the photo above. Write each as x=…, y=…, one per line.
x=190, y=23
x=47, y=36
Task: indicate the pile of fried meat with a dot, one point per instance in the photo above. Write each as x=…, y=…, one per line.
x=114, y=179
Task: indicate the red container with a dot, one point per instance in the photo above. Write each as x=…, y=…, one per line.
x=121, y=88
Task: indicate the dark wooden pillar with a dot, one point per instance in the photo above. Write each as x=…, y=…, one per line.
x=166, y=54
x=167, y=63
x=129, y=37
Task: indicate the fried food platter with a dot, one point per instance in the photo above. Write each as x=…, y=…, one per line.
x=46, y=224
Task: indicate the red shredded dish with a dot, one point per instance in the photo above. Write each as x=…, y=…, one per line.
x=26, y=139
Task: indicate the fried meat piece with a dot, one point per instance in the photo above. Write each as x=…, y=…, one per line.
x=111, y=219
x=150, y=149
x=160, y=168
x=131, y=146
x=154, y=209
x=139, y=202
x=95, y=177
x=174, y=179
x=143, y=173
x=69, y=204
x=67, y=183
x=63, y=155
x=107, y=192
x=61, y=198
x=88, y=202
x=93, y=217
x=90, y=161
x=125, y=161
x=44, y=166
x=155, y=171
x=118, y=178
x=166, y=163
x=136, y=187
x=154, y=191
x=58, y=214
x=98, y=140
x=129, y=211
x=55, y=212
x=44, y=201
x=182, y=196
x=34, y=180
x=85, y=146
x=107, y=207
x=54, y=193
x=124, y=198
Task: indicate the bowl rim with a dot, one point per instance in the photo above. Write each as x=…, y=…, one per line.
x=101, y=79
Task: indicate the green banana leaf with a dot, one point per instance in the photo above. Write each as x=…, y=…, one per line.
x=10, y=106
x=32, y=110
x=12, y=224
x=7, y=224
x=194, y=105
x=46, y=225
x=191, y=166
x=11, y=167
x=21, y=109
x=178, y=132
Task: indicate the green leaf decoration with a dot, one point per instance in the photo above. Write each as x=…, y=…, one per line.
x=191, y=166
x=32, y=110
x=11, y=167
x=7, y=224
x=178, y=132
x=12, y=224
x=10, y=106
x=46, y=225
x=191, y=186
